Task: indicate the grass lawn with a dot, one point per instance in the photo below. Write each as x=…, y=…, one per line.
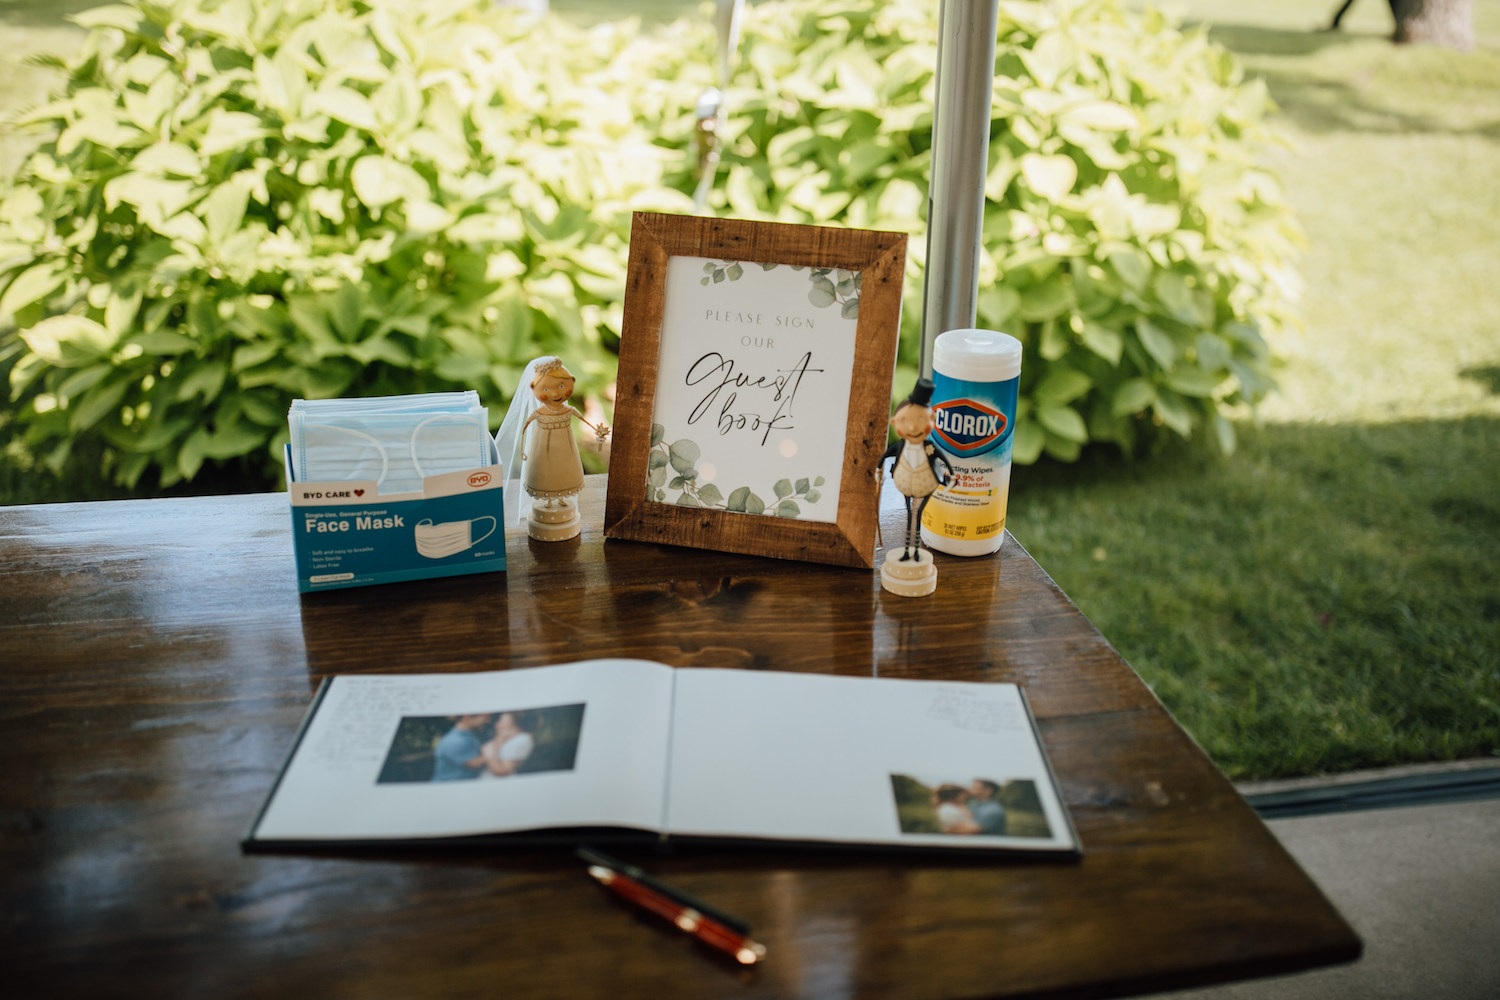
x=1328, y=598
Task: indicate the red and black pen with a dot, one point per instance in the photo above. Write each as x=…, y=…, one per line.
x=689, y=914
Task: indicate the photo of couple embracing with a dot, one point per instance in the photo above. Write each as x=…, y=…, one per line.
x=479, y=746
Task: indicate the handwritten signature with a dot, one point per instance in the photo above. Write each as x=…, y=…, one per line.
x=718, y=372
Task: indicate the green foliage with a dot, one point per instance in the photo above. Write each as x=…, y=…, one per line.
x=1131, y=241
x=246, y=201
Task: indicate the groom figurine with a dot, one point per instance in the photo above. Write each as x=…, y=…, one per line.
x=918, y=469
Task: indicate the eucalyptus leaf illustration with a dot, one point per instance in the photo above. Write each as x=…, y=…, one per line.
x=724, y=270
x=832, y=286
x=684, y=455
x=672, y=477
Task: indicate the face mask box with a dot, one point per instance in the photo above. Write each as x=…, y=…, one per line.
x=348, y=535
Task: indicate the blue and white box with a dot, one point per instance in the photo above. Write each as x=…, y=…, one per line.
x=346, y=534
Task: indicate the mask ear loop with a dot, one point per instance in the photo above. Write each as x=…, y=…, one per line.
x=415, y=462
x=493, y=524
x=385, y=463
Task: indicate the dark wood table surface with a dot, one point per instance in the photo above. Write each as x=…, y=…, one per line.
x=157, y=660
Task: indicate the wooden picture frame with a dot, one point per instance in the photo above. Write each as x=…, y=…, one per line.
x=831, y=299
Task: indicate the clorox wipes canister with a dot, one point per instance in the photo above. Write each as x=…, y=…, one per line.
x=977, y=375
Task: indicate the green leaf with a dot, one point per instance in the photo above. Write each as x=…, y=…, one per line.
x=1064, y=421
x=194, y=450
x=1103, y=341
x=1157, y=342
x=1132, y=265
x=1052, y=177
x=234, y=440
x=657, y=433
x=688, y=500
x=1224, y=432
x=850, y=309
x=754, y=505
x=1048, y=300
x=1193, y=382
x=342, y=104
x=1132, y=396
x=1061, y=385
x=788, y=508
x=379, y=181
x=710, y=495
x=205, y=381
x=1027, y=443
x=737, y=499
x=223, y=211
x=783, y=488
x=32, y=285
x=97, y=404
x=229, y=130
x=69, y=341
x=1174, y=412
x=1105, y=116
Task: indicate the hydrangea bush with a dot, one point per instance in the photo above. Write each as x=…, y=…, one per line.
x=1132, y=241
x=243, y=201
x=252, y=200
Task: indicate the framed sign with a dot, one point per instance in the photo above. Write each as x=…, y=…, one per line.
x=754, y=387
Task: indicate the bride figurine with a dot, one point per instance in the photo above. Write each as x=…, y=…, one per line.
x=537, y=445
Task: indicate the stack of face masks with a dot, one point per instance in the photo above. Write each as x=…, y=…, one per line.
x=393, y=440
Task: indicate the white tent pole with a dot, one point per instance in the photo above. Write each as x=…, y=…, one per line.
x=960, y=161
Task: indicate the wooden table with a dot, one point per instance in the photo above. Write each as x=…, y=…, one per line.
x=157, y=660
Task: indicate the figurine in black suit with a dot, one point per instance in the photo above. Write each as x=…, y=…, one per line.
x=917, y=467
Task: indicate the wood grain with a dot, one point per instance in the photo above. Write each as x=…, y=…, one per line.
x=157, y=660
x=654, y=239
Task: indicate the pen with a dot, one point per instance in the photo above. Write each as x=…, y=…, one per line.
x=710, y=926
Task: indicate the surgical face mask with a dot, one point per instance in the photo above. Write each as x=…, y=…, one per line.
x=394, y=441
x=423, y=402
x=439, y=541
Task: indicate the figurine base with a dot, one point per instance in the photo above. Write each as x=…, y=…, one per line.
x=556, y=523
x=913, y=578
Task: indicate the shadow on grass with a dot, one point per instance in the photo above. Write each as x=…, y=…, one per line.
x=43, y=13
x=1326, y=600
x=1487, y=376
x=1253, y=39
x=1346, y=100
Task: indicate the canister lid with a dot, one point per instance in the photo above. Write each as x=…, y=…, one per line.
x=977, y=355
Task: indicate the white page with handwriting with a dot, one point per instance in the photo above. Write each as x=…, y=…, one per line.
x=387, y=758
x=859, y=760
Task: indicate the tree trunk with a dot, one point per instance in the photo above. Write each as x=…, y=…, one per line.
x=1449, y=23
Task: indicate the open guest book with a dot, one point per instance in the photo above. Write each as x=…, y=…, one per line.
x=628, y=749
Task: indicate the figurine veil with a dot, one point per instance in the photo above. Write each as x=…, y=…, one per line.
x=537, y=447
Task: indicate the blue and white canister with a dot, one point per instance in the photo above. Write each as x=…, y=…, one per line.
x=977, y=375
